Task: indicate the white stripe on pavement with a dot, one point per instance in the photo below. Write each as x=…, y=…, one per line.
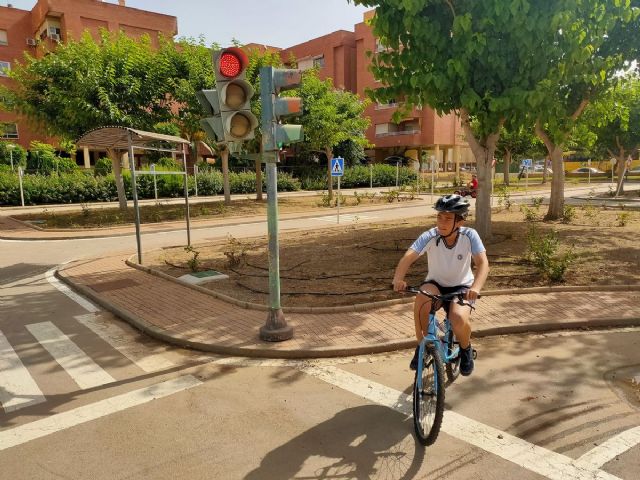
x=347, y=217
x=537, y=459
x=83, y=302
x=61, y=421
x=17, y=387
x=610, y=449
x=117, y=338
x=84, y=371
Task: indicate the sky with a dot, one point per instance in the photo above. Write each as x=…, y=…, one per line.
x=272, y=22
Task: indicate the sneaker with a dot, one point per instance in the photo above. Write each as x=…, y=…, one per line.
x=413, y=365
x=466, y=361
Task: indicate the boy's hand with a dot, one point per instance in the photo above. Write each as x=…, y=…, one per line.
x=472, y=295
x=399, y=285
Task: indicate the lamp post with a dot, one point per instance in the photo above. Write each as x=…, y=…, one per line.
x=11, y=146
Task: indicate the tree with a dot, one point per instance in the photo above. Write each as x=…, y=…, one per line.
x=587, y=45
x=84, y=84
x=617, y=123
x=479, y=59
x=330, y=117
x=517, y=142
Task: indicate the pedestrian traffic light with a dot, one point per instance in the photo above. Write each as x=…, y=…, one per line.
x=275, y=108
x=212, y=125
x=234, y=94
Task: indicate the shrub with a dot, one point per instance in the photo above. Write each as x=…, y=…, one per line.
x=568, y=213
x=17, y=154
x=103, y=167
x=43, y=159
x=542, y=252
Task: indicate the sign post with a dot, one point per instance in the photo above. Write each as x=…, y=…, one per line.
x=589, y=167
x=195, y=178
x=20, y=174
x=155, y=183
x=337, y=170
x=434, y=165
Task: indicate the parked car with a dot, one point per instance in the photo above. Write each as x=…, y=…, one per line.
x=585, y=170
x=634, y=171
x=540, y=169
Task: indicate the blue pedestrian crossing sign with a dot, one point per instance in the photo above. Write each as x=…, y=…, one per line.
x=337, y=167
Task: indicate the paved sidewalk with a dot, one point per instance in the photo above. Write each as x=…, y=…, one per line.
x=184, y=316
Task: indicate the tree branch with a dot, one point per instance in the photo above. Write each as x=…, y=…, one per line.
x=543, y=136
x=453, y=12
x=580, y=109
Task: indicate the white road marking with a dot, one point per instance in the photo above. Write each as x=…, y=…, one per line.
x=84, y=371
x=83, y=302
x=77, y=416
x=17, y=387
x=610, y=449
x=117, y=338
x=347, y=217
x=537, y=459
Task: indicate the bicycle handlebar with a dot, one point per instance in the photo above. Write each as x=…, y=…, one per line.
x=445, y=297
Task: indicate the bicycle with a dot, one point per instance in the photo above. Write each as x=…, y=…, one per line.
x=438, y=350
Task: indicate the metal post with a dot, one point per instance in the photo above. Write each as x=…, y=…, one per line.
x=132, y=166
x=20, y=173
x=11, y=147
x=275, y=329
x=186, y=193
x=155, y=183
x=433, y=161
x=195, y=177
x=397, y=173
x=371, y=175
x=338, y=200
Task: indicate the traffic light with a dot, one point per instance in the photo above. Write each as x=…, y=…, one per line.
x=230, y=103
x=274, y=108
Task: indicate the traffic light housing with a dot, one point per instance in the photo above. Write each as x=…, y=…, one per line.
x=275, y=108
x=230, y=103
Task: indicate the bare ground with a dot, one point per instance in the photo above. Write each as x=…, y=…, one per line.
x=355, y=263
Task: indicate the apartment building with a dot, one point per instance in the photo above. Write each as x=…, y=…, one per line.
x=53, y=21
x=422, y=134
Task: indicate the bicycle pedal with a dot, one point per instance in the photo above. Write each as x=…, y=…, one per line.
x=475, y=353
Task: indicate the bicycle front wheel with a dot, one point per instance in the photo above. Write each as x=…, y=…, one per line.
x=428, y=396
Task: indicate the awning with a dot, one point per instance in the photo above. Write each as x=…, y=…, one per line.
x=118, y=138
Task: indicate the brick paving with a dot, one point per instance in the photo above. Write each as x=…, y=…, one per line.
x=182, y=315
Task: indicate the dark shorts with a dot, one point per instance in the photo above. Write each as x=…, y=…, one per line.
x=445, y=290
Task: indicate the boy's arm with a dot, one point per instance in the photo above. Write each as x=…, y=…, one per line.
x=482, y=272
x=401, y=270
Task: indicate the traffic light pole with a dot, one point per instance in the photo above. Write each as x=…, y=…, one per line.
x=276, y=328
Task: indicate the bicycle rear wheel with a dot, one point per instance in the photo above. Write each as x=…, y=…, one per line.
x=428, y=399
x=452, y=367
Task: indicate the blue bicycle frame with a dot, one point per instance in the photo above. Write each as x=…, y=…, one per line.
x=447, y=355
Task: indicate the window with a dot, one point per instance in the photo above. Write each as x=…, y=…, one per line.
x=318, y=62
x=4, y=68
x=3, y=38
x=8, y=130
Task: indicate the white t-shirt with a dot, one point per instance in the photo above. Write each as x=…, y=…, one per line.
x=449, y=266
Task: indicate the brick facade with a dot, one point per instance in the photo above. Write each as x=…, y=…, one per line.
x=58, y=20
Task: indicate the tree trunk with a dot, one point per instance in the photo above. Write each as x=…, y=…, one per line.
x=329, y=152
x=620, y=166
x=117, y=174
x=225, y=176
x=556, y=202
x=507, y=165
x=483, y=150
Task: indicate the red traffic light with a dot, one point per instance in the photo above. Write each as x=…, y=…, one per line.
x=230, y=64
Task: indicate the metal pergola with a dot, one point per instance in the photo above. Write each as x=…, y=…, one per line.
x=126, y=139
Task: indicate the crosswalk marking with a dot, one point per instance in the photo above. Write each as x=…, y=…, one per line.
x=84, y=371
x=61, y=421
x=83, y=302
x=532, y=457
x=344, y=217
x=117, y=338
x=610, y=449
x=17, y=387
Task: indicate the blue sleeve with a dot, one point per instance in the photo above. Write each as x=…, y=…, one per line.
x=476, y=243
x=421, y=242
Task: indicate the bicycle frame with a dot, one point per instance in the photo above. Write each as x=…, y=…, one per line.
x=440, y=343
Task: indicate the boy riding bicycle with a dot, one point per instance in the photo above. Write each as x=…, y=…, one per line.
x=449, y=248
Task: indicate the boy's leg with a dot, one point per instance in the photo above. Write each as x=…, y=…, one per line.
x=459, y=316
x=421, y=309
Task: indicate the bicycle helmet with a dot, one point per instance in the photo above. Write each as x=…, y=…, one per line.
x=454, y=204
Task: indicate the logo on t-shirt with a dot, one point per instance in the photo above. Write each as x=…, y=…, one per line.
x=459, y=257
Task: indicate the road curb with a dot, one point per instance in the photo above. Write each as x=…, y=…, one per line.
x=266, y=351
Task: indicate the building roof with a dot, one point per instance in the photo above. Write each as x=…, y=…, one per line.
x=118, y=138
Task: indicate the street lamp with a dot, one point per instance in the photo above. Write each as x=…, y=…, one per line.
x=11, y=146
